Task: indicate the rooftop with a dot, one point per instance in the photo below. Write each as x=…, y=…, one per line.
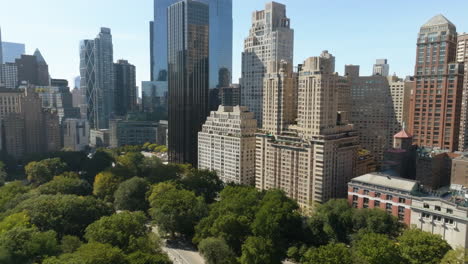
x=385, y=180
x=438, y=20
x=403, y=134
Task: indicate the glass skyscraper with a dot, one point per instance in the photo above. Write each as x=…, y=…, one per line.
x=188, y=68
x=220, y=15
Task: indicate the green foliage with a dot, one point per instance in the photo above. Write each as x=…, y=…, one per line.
x=15, y=220
x=203, y=183
x=278, y=220
x=118, y=229
x=335, y=217
x=376, y=221
x=174, y=210
x=376, y=249
x=231, y=218
x=259, y=250
x=328, y=254
x=216, y=251
x=10, y=192
x=40, y=172
x=418, y=247
x=105, y=184
x=458, y=256
x=65, y=214
x=131, y=163
x=24, y=245
x=156, y=172
x=139, y=257
x=91, y=253
x=70, y=244
x=100, y=161
x=131, y=195
x=67, y=183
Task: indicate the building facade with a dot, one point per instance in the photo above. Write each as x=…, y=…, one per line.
x=373, y=113
x=97, y=79
x=226, y=145
x=188, y=77
x=220, y=42
x=12, y=51
x=127, y=133
x=10, y=75
x=155, y=97
x=270, y=40
x=125, y=88
x=436, y=102
x=33, y=69
x=75, y=134
x=376, y=190
x=462, y=57
x=57, y=98
x=315, y=157
x=381, y=68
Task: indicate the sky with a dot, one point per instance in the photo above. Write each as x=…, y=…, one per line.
x=354, y=31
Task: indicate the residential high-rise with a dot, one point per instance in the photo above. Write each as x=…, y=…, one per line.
x=33, y=69
x=57, y=98
x=320, y=149
x=381, y=68
x=1, y=58
x=226, y=144
x=270, y=39
x=12, y=51
x=372, y=110
x=97, y=78
x=279, y=97
x=76, y=134
x=436, y=100
x=462, y=57
x=230, y=95
x=220, y=43
x=188, y=77
x=125, y=88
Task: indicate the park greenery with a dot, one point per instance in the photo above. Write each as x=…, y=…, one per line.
x=118, y=207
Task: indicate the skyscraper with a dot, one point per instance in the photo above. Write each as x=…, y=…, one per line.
x=33, y=69
x=12, y=51
x=188, y=77
x=97, y=78
x=437, y=97
x=381, y=68
x=270, y=39
x=1, y=58
x=125, y=88
x=220, y=40
x=462, y=57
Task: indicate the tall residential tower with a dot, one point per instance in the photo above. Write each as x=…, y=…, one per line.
x=270, y=39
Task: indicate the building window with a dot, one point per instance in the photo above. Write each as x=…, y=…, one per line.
x=377, y=204
x=366, y=203
x=388, y=207
x=448, y=221
x=355, y=189
x=437, y=208
x=377, y=195
x=355, y=197
x=354, y=204
x=436, y=218
x=426, y=205
x=449, y=211
x=426, y=215
x=401, y=200
x=366, y=192
x=389, y=197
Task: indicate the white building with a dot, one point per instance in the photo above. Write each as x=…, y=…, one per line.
x=270, y=39
x=226, y=144
x=441, y=217
x=75, y=134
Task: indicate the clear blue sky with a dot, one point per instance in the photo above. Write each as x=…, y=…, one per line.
x=355, y=31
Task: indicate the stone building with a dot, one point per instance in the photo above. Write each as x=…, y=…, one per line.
x=226, y=144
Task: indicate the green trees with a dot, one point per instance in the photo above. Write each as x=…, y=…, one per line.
x=328, y=254
x=131, y=195
x=67, y=183
x=175, y=211
x=418, y=247
x=376, y=221
x=65, y=214
x=3, y=174
x=259, y=250
x=216, y=251
x=10, y=192
x=40, y=172
x=105, y=184
x=203, y=183
x=376, y=249
x=118, y=230
x=458, y=256
x=92, y=253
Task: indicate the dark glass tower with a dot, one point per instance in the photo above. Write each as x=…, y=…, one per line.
x=220, y=40
x=188, y=71
x=125, y=88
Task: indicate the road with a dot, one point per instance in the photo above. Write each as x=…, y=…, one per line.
x=184, y=256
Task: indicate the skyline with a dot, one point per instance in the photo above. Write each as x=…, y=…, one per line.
x=57, y=28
